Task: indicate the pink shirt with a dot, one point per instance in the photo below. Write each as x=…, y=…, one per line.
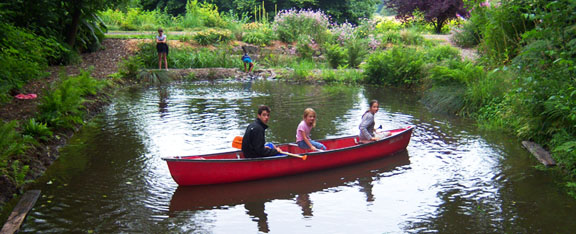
x=305, y=128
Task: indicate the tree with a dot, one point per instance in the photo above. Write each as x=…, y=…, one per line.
x=61, y=19
x=436, y=12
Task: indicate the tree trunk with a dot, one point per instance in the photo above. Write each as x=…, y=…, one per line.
x=439, y=24
x=76, y=13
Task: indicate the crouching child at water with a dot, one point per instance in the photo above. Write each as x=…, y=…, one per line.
x=247, y=61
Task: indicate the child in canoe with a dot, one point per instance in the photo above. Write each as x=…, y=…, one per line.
x=303, y=132
x=367, y=130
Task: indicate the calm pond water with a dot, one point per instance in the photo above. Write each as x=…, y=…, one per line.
x=452, y=178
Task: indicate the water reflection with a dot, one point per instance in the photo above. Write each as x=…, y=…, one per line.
x=110, y=178
x=255, y=194
x=164, y=96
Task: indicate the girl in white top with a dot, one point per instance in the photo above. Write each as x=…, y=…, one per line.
x=367, y=130
x=303, y=131
x=162, y=49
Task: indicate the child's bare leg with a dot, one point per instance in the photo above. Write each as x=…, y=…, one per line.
x=165, y=62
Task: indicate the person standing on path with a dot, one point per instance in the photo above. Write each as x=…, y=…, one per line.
x=162, y=49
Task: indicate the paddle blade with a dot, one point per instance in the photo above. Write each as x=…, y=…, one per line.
x=237, y=142
x=304, y=157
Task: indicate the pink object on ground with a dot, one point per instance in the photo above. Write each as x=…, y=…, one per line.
x=26, y=96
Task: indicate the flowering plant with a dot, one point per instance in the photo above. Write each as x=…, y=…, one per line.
x=290, y=24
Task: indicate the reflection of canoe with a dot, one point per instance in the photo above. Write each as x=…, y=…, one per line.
x=204, y=197
x=233, y=167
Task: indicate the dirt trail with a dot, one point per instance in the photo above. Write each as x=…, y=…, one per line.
x=467, y=53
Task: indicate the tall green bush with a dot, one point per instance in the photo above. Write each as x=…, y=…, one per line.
x=24, y=56
x=503, y=31
x=356, y=52
x=470, y=33
x=212, y=36
x=398, y=66
x=335, y=54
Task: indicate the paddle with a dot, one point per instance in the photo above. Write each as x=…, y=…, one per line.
x=237, y=143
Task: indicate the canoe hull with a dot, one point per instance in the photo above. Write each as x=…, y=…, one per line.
x=232, y=167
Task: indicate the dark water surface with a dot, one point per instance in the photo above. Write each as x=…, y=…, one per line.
x=452, y=178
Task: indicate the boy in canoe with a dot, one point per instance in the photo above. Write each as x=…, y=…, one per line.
x=254, y=138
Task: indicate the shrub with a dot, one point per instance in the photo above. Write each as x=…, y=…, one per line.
x=258, y=34
x=11, y=143
x=290, y=24
x=212, y=36
x=128, y=68
x=341, y=33
x=200, y=14
x=277, y=60
x=564, y=151
x=190, y=58
x=392, y=37
x=62, y=107
x=305, y=47
x=23, y=57
x=503, y=32
x=386, y=25
x=443, y=52
x=469, y=35
x=303, y=70
x=397, y=66
x=335, y=54
x=411, y=37
x=486, y=89
x=350, y=76
x=456, y=72
x=37, y=130
x=357, y=51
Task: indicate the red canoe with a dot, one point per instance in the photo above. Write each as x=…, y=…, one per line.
x=231, y=166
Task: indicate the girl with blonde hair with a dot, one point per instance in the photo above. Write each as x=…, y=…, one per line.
x=303, y=131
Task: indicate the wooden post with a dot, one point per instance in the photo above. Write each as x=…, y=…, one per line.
x=540, y=153
x=20, y=212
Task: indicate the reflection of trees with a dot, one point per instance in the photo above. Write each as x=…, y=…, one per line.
x=288, y=102
x=459, y=214
x=298, y=188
